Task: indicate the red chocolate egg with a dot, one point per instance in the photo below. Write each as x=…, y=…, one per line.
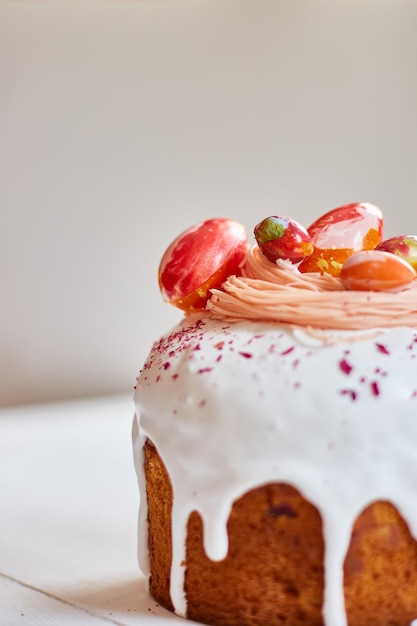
x=376, y=270
x=336, y=235
x=404, y=246
x=280, y=237
x=200, y=259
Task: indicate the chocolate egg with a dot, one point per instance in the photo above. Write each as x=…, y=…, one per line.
x=341, y=232
x=280, y=237
x=404, y=246
x=376, y=270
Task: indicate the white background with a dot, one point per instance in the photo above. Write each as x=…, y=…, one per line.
x=121, y=124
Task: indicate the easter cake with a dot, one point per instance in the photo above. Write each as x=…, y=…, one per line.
x=275, y=437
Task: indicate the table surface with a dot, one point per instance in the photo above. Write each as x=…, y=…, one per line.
x=68, y=517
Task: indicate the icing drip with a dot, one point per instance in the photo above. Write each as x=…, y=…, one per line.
x=337, y=534
x=333, y=416
x=138, y=446
x=281, y=293
x=180, y=516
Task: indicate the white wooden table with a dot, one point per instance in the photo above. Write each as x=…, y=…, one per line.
x=68, y=516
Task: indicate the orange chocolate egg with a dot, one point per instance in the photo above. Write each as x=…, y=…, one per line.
x=376, y=270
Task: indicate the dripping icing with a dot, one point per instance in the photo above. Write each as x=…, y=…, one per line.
x=214, y=398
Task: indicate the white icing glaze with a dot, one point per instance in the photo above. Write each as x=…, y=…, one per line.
x=232, y=406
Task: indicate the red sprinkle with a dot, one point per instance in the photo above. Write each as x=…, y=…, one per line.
x=375, y=388
x=287, y=351
x=345, y=366
x=247, y=355
x=349, y=392
x=411, y=346
x=383, y=349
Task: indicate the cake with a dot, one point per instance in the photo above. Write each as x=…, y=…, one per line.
x=275, y=441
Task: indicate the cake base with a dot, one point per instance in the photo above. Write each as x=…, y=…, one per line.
x=273, y=574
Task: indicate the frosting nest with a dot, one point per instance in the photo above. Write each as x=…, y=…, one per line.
x=279, y=292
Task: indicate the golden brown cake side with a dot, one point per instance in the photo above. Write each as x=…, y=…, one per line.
x=273, y=573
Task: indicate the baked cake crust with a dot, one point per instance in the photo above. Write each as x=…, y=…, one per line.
x=273, y=573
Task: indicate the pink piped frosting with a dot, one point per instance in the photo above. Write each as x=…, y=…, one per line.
x=281, y=293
